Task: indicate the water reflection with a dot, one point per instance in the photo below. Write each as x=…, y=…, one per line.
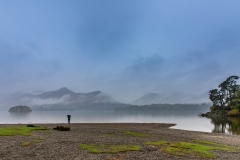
x=234, y=125
x=227, y=125
x=184, y=120
x=19, y=114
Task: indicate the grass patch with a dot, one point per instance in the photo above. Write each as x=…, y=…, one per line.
x=213, y=144
x=112, y=149
x=62, y=128
x=195, y=148
x=20, y=130
x=108, y=134
x=135, y=134
x=158, y=143
x=37, y=140
x=27, y=143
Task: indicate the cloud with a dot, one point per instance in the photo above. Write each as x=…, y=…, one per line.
x=19, y=67
x=106, y=30
x=126, y=48
x=188, y=75
x=145, y=66
x=37, y=101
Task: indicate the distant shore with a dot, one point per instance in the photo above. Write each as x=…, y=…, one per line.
x=53, y=144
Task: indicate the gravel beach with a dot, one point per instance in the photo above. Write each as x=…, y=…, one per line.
x=53, y=144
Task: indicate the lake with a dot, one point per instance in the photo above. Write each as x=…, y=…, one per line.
x=184, y=120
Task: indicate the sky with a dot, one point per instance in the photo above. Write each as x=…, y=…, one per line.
x=125, y=48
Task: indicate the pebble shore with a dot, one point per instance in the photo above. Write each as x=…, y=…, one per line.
x=63, y=145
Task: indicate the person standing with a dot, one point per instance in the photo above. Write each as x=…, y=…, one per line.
x=69, y=117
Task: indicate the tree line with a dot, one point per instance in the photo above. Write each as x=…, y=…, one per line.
x=227, y=96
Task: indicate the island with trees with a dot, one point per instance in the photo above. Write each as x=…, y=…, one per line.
x=20, y=109
x=225, y=99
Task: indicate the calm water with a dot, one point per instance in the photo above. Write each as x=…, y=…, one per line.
x=185, y=121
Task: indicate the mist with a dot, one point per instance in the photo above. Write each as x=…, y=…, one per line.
x=125, y=49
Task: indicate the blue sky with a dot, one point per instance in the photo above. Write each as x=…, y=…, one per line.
x=126, y=48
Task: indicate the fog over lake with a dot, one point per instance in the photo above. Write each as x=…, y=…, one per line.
x=185, y=121
x=177, y=50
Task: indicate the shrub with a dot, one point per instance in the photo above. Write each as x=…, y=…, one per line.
x=235, y=104
x=30, y=125
x=234, y=112
x=214, y=108
x=62, y=128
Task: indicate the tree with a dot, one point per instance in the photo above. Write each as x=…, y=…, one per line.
x=224, y=96
x=215, y=97
x=230, y=86
x=235, y=103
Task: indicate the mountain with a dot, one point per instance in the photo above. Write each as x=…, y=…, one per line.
x=57, y=94
x=172, y=98
x=150, y=98
x=62, y=99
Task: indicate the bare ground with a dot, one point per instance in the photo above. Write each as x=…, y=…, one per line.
x=53, y=144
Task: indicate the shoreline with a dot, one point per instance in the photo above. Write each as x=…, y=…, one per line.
x=64, y=144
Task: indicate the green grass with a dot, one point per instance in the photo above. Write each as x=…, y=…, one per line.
x=195, y=148
x=27, y=143
x=158, y=143
x=108, y=134
x=112, y=149
x=37, y=140
x=20, y=130
x=213, y=144
x=135, y=134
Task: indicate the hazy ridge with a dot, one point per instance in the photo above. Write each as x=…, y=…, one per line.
x=65, y=99
x=62, y=99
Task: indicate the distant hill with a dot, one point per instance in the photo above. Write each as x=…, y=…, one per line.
x=201, y=107
x=63, y=99
x=171, y=98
